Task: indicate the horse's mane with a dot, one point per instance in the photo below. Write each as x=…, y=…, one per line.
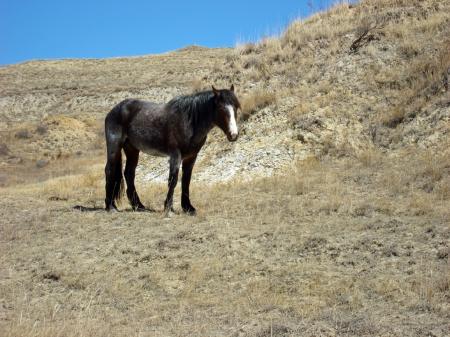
x=190, y=103
x=197, y=106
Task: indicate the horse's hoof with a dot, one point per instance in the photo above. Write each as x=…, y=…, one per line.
x=143, y=209
x=112, y=210
x=190, y=211
x=188, y=208
x=168, y=215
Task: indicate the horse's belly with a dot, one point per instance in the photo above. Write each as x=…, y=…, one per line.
x=147, y=146
x=154, y=152
x=147, y=140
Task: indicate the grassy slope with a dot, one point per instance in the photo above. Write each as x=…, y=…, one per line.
x=352, y=241
x=336, y=250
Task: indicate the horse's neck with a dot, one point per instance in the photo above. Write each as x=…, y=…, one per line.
x=204, y=121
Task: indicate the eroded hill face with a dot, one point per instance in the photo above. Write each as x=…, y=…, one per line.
x=53, y=111
x=355, y=81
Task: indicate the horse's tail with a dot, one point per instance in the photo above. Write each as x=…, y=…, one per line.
x=118, y=178
x=113, y=169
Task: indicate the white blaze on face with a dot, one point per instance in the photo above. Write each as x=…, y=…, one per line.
x=232, y=126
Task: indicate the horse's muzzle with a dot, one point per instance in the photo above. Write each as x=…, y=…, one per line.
x=233, y=137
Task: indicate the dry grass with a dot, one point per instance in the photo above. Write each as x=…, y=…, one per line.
x=392, y=118
x=405, y=61
x=420, y=80
x=317, y=248
x=351, y=241
x=255, y=101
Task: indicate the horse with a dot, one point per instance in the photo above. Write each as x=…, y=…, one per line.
x=177, y=129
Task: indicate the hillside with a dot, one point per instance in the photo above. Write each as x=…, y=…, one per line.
x=329, y=216
x=317, y=94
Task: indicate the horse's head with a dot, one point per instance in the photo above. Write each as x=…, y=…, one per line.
x=227, y=105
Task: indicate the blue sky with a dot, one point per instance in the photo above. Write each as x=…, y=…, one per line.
x=50, y=29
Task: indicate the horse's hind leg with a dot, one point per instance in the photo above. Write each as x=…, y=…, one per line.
x=130, y=170
x=113, y=175
x=175, y=161
x=113, y=168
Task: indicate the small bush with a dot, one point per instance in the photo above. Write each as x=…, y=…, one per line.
x=42, y=129
x=23, y=134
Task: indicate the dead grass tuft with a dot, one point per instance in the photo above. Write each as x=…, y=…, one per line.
x=370, y=157
x=392, y=118
x=255, y=101
x=197, y=85
x=246, y=48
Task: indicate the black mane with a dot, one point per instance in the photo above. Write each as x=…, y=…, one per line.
x=199, y=107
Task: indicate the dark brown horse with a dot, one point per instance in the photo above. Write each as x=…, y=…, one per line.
x=177, y=129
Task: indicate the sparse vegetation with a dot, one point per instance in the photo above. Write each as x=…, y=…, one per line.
x=257, y=244
x=329, y=217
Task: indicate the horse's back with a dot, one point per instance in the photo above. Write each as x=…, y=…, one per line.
x=145, y=125
x=127, y=110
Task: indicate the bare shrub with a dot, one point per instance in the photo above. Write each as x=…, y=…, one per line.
x=364, y=33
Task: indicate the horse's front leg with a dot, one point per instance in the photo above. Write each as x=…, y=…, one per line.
x=175, y=161
x=188, y=165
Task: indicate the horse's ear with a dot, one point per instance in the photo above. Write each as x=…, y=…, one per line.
x=232, y=88
x=215, y=91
